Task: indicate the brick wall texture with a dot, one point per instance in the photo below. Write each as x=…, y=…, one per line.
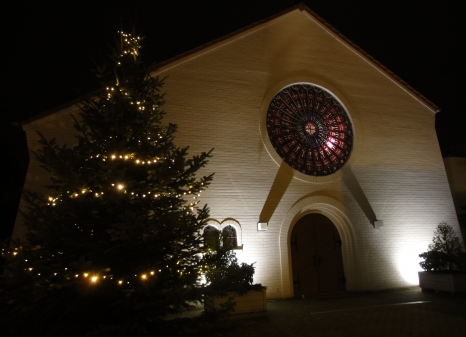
x=219, y=96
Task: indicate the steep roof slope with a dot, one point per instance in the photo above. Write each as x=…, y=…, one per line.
x=313, y=16
x=251, y=28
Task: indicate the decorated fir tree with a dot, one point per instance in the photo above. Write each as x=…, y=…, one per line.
x=115, y=244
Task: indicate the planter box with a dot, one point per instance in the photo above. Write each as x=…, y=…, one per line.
x=251, y=304
x=452, y=283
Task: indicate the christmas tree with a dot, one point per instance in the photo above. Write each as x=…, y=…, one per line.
x=115, y=246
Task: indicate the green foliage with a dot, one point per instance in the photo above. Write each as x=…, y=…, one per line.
x=223, y=273
x=115, y=244
x=446, y=253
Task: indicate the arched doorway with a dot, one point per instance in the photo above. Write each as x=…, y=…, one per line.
x=316, y=256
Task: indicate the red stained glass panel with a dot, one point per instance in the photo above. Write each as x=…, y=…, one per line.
x=309, y=129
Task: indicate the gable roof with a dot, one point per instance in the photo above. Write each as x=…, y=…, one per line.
x=164, y=65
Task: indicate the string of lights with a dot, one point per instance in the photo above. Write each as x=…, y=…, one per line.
x=124, y=200
x=94, y=276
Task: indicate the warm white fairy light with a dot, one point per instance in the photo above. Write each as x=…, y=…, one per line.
x=108, y=278
x=132, y=44
x=144, y=194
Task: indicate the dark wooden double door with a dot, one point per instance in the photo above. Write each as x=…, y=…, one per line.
x=316, y=256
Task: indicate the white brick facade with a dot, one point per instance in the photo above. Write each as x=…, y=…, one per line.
x=219, y=95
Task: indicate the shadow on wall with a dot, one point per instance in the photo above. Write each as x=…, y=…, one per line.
x=455, y=168
x=283, y=179
x=358, y=194
x=278, y=189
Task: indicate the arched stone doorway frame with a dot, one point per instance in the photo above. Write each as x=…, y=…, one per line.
x=336, y=212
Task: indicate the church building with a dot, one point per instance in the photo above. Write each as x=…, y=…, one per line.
x=327, y=167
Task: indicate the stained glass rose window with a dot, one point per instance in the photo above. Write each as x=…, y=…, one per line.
x=310, y=129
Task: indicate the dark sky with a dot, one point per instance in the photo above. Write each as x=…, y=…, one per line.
x=47, y=53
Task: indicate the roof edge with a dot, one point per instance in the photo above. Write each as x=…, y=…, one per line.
x=155, y=67
x=371, y=59
x=158, y=65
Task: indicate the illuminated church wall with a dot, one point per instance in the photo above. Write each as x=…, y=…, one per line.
x=219, y=97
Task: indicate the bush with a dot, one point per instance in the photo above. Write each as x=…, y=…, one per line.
x=446, y=253
x=223, y=273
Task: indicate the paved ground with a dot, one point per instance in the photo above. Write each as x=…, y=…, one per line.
x=407, y=312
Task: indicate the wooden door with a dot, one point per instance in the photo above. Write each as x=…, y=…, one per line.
x=316, y=256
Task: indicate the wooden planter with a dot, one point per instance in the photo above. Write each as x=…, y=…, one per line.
x=452, y=283
x=251, y=304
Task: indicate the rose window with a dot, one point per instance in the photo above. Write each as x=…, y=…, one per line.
x=309, y=129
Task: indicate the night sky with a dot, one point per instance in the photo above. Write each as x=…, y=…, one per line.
x=49, y=50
